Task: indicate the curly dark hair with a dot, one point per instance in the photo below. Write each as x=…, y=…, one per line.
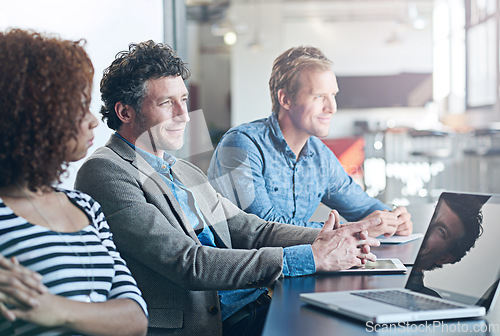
x=125, y=79
x=45, y=87
x=287, y=68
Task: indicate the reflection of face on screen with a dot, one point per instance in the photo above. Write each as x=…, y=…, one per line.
x=452, y=232
x=452, y=258
x=445, y=228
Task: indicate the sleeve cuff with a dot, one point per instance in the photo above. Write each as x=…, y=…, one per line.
x=298, y=260
x=316, y=225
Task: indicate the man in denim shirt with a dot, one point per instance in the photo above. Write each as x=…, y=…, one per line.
x=278, y=169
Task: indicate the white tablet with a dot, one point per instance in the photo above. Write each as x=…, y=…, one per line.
x=399, y=239
x=390, y=265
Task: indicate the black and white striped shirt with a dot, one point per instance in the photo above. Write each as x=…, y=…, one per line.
x=68, y=262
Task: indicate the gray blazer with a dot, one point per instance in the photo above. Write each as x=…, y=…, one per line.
x=178, y=276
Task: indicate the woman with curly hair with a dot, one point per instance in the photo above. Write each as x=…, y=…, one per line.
x=60, y=273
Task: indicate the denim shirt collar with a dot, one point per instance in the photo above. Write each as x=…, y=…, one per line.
x=278, y=138
x=161, y=166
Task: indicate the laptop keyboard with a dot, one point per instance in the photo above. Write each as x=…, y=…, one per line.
x=406, y=300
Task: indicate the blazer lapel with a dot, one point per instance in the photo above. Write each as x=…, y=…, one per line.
x=148, y=173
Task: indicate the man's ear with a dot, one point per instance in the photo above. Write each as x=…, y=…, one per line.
x=446, y=258
x=124, y=112
x=284, y=99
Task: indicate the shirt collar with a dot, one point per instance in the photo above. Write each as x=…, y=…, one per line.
x=160, y=165
x=279, y=139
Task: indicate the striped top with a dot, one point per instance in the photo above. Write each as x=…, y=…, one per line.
x=67, y=261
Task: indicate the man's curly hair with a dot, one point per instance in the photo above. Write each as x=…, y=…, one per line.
x=125, y=79
x=287, y=69
x=45, y=86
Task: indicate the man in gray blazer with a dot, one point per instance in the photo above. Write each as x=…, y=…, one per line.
x=202, y=264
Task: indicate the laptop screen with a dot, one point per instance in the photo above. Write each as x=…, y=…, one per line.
x=458, y=259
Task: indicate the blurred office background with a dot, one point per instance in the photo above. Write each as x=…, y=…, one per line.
x=418, y=108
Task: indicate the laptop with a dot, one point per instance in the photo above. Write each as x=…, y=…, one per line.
x=455, y=274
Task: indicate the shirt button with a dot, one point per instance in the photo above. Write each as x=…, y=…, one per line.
x=163, y=166
x=213, y=310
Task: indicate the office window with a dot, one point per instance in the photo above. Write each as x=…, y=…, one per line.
x=105, y=33
x=482, y=22
x=450, y=55
x=466, y=54
x=482, y=52
x=481, y=64
x=480, y=10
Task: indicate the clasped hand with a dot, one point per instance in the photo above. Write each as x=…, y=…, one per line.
x=24, y=296
x=338, y=248
x=393, y=222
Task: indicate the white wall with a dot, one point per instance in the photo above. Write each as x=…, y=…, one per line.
x=250, y=71
x=108, y=26
x=212, y=75
x=361, y=48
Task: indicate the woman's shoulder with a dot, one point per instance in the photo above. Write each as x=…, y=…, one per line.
x=84, y=201
x=76, y=195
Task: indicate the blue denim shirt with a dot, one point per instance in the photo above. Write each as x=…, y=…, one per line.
x=297, y=260
x=254, y=167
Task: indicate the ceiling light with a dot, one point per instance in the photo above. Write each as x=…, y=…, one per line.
x=230, y=38
x=416, y=20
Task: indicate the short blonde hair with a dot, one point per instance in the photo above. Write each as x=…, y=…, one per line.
x=287, y=69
